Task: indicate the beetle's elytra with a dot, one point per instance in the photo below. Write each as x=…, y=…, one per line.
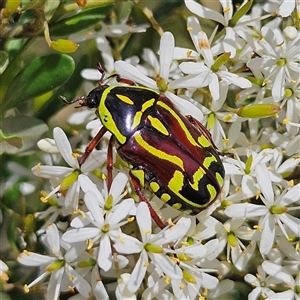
x=170, y=153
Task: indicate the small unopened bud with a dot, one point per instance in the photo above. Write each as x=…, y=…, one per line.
x=188, y=277
x=64, y=46
x=290, y=33
x=258, y=110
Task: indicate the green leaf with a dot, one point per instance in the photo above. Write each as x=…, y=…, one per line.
x=20, y=133
x=84, y=19
x=40, y=76
x=68, y=90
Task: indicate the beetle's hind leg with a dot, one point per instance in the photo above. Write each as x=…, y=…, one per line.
x=138, y=190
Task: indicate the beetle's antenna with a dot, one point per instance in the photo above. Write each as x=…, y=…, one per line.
x=80, y=100
x=102, y=72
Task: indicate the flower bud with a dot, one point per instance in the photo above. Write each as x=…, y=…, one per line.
x=258, y=110
x=69, y=180
x=64, y=46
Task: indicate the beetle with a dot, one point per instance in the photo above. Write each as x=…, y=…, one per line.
x=168, y=152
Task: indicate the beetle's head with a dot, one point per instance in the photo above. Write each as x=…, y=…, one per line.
x=92, y=100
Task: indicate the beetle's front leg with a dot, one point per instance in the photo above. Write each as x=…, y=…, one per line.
x=92, y=145
x=138, y=190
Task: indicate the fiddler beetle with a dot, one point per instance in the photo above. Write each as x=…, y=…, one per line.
x=169, y=153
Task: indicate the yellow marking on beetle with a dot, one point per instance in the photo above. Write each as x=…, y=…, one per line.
x=212, y=191
x=208, y=160
x=197, y=177
x=203, y=141
x=177, y=205
x=158, y=153
x=107, y=119
x=165, y=197
x=176, y=182
x=157, y=124
x=140, y=175
x=139, y=114
x=182, y=125
x=220, y=179
x=154, y=186
x=125, y=99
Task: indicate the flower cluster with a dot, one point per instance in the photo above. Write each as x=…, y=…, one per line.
x=109, y=247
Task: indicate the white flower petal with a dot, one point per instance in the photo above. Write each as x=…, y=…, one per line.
x=64, y=147
x=127, y=244
x=292, y=196
x=166, y=265
x=204, y=12
x=35, y=259
x=264, y=182
x=51, y=171
x=144, y=220
x=267, y=234
x=54, y=284
x=80, y=234
x=79, y=282
x=53, y=238
x=245, y=210
x=138, y=273
x=118, y=185
x=128, y=71
x=291, y=222
x=121, y=211
x=166, y=50
x=105, y=256
x=91, y=201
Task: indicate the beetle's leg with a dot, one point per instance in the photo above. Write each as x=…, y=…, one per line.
x=110, y=162
x=92, y=144
x=154, y=215
x=122, y=80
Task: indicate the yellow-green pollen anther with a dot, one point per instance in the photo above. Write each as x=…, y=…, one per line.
x=231, y=239
x=288, y=93
x=54, y=266
x=109, y=202
x=161, y=84
x=278, y=210
x=188, y=277
x=281, y=62
x=153, y=248
x=211, y=121
x=86, y=263
x=248, y=164
x=190, y=240
x=105, y=228
x=69, y=180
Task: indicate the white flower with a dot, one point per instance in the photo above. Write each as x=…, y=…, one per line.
x=279, y=60
x=282, y=275
x=151, y=248
x=162, y=83
x=70, y=176
x=102, y=228
x=261, y=283
x=58, y=265
x=273, y=213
